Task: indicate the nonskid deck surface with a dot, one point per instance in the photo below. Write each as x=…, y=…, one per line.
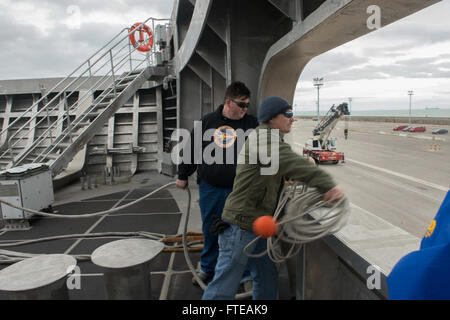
x=170, y=275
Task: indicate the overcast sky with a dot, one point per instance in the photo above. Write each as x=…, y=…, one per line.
x=379, y=69
x=49, y=38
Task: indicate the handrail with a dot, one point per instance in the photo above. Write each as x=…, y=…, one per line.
x=80, y=118
x=83, y=116
x=56, y=107
x=79, y=67
x=114, y=62
x=61, y=119
x=67, y=132
x=57, y=96
x=59, y=83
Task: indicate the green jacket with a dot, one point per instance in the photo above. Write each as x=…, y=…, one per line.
x=255, y=194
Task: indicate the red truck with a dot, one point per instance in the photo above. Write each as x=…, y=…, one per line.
x=322, y=147
x=320, y=155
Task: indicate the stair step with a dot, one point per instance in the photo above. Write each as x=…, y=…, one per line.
x=51, y=156
x=13, y=130
x=82, y=124
x=64, y=145
x=98, y=108
x=103, y=103
x=123, y=85
x=93, y=115
x=124, y=82
x=136, y=71
x=105, y=98
x=46, y=156
x=130, y=77
x=111, y=94
x=72, y=134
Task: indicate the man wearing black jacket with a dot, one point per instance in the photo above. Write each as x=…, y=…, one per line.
x=215, y=178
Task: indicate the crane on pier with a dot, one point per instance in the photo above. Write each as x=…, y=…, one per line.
x=322, y=147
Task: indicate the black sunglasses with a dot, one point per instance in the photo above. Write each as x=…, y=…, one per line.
x=288, y=114
x=241, y=104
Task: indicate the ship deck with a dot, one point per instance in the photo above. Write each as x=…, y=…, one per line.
x=164, y=213
x=400, y=178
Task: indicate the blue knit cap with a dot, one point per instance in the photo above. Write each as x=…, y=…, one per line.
x=270, y=107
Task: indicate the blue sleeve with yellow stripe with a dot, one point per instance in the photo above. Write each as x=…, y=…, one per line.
x=425, y=274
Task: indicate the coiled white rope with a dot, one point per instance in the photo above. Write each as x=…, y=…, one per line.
x=88, y=215
x=12, y=257
x=188, y=259
x=302, y=217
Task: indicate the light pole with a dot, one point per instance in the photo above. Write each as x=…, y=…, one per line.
x=350, y=105
x=318, y=82
x=410, y=93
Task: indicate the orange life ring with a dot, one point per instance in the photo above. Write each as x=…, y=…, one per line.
x=140, y=45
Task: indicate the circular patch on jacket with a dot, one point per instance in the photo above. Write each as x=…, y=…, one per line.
x=224, y=136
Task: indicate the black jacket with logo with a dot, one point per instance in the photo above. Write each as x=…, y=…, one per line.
x=223, y=140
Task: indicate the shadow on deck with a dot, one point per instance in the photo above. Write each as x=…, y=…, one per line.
x=160, y=213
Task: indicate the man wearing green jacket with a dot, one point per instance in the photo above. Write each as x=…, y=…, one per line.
x=264, y=162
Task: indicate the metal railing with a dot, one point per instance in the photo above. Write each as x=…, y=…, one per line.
x=111, y=67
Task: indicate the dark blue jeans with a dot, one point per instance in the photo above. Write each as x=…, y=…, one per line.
x=212, y=201
x=231, y=265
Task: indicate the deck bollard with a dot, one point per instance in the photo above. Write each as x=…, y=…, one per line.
x=39, y=278
x=126, y=265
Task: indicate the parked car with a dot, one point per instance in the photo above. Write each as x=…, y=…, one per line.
x=418, y=129
x=440, y=131
x=399, y=128
x=407, y=128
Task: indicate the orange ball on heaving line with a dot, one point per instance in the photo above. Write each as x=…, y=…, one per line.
x=265, y=226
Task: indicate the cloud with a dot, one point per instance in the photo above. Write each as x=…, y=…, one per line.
x=379, y=68
x=346, y=65
x=331, y=64
x=406, y=68
x=52, y=38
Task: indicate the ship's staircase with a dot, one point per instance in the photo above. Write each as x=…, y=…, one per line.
x=58, y=125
